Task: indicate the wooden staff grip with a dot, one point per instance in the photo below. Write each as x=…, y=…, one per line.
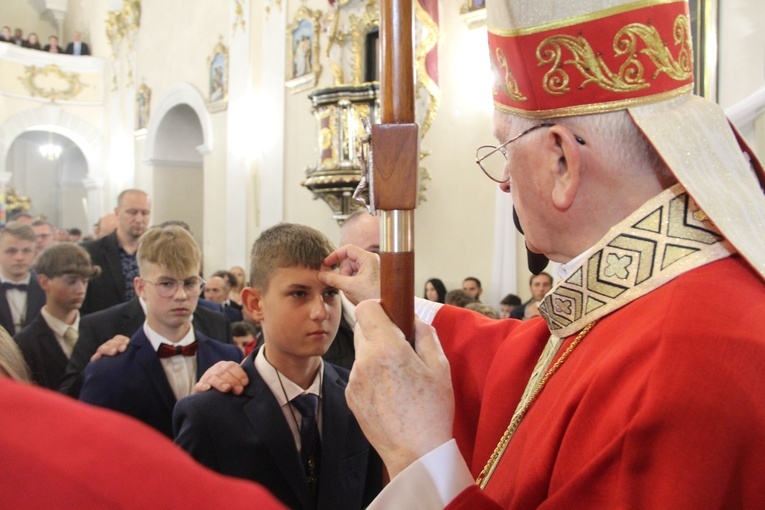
x=397, y=290
x=396, y=154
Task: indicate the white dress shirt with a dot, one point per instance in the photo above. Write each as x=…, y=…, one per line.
x=59, y=328
x=279, y=388
x=17, y=302
x=181, y=371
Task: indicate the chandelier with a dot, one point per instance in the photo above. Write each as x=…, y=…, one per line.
x=50, y=151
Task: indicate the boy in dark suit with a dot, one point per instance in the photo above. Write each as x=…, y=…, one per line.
x=166, y=356
x=21, y=297
x=291, y=429
x=63, y=271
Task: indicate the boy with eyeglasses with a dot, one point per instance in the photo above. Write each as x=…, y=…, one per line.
x=63, y=271
x=166, y=356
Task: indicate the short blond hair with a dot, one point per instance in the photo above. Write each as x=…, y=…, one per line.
x=286, y=245
x=171, y=247
x=19, y=230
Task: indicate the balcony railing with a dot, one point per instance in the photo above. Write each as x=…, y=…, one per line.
x=49, y=77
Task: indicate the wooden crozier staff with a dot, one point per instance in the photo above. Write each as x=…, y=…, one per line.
x=395, y=144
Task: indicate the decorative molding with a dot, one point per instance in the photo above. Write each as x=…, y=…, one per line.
x=122, y=26
x=239, y=20
x=52, y=76
x=277, y=3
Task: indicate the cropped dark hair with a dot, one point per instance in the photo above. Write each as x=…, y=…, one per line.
x=286, y=245
x=65, y=258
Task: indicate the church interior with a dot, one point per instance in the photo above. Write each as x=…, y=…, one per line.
x=236, y=115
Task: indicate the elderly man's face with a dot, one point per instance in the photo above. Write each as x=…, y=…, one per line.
x=525, y=173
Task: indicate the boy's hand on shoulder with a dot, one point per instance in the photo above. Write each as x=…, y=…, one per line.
x=359, y=274
x=111, y=347
x=224, y=376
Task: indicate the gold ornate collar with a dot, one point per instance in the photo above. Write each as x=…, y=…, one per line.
x=666, y=237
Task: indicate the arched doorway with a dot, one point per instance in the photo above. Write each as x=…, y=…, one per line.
x=52, y=180
x=178, y=138
x=178, y=169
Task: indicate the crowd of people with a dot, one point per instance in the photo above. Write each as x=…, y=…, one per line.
x=469, y=296
x=75, y=47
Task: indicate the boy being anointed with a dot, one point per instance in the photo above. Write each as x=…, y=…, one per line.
x=291, y=429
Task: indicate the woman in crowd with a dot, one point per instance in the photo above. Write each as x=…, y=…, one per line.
x=32, y=42
x=435, y=290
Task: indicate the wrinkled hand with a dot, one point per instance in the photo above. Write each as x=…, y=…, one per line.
x=224, y=376
x=359, y=275
x=401, y=397
x=111, y=347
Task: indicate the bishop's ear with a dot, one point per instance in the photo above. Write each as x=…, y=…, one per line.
x=568, y=170
x=252, y=301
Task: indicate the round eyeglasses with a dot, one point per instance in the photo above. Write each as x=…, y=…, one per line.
x=487, y=157
x=167, y=287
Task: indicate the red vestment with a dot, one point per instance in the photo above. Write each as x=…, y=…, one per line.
x=59, y=453
x=662, y=404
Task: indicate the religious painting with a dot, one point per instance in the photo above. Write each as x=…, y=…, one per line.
x=142, y=103
x=218, y=77
x=704, y=37
x=303, y=67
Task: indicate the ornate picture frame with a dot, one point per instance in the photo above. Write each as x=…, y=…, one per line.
x=473, y=13
x=142, y=107
x=704, y=15
x=302, y=67
x=217, y=65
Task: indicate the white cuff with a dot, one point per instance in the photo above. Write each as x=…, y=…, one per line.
x=431, y=482
x=426, y=310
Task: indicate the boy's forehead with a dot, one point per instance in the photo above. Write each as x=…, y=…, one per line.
x=299, y=273
x=10, y=239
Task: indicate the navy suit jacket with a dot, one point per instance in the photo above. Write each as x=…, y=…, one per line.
x=135, y=383
x=232, y=314
x=126, y=319
x=108, y=288
x=42, y=352
x=35, y=301
x=247, y=436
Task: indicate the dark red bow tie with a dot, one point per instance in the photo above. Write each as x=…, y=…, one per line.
x=17, y=286
x=168, y=351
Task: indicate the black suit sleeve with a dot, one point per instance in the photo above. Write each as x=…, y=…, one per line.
x=373, y=483
x=192, y=433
